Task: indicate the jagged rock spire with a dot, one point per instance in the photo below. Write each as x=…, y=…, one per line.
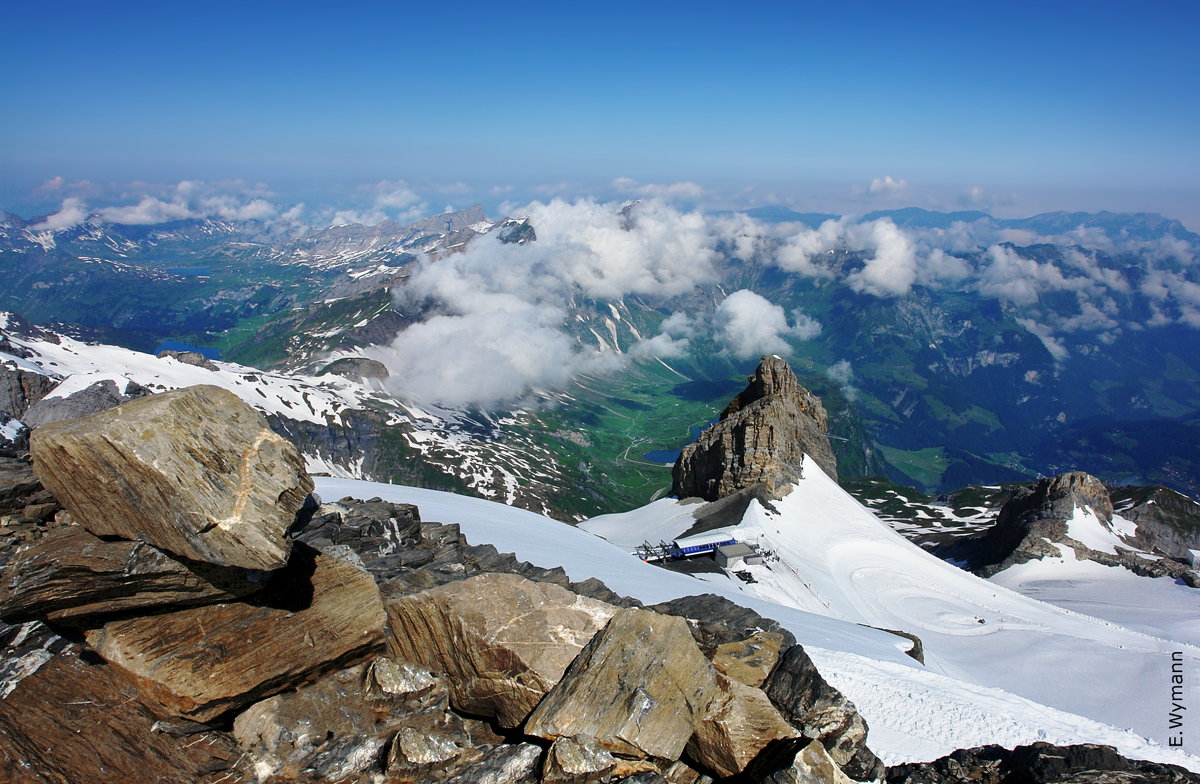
x=762, y=438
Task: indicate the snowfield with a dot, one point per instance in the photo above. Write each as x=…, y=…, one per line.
x=1029, y=672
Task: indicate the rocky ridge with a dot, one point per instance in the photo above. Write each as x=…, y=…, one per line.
x=1035, y=522
x=761, y=439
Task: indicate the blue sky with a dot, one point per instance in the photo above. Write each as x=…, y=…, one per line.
x=1013, y=107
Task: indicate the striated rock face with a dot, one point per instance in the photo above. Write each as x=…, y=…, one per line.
x=196, y=472
x=751, y=660
x=317, y=614
x=762, y=438
x=75, y=721
x=502, y=640
x=811, y=765
x=69, y=575
x=639, y=688
x=579, y=760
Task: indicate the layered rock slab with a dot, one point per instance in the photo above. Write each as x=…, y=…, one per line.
x=196, y=472
x=316, y=615
x=761, y=439
x=69, y=575
x=502, y=640
x=74, y=721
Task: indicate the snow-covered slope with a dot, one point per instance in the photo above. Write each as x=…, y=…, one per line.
x=915, y=712
x=837, y=559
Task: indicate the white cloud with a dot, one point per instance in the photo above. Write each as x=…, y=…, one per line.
x=842, y=374
x=748, y=325
x=511, y=301
x=190, y=199
x=887, y=185
x=892, y=271
x=1045, y=334
x=72, y=213
x=149, y=210
x=804, y=326
x=799, y=251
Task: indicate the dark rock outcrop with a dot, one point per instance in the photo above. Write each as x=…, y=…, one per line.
x=1167, y=522
x=196, y=472
x=97, y=397
x=190, y=358
x=1039, y=763
x=822, y=713
x=20, y=389
x=1035, y=523
x=356, y=369
x=762, y=438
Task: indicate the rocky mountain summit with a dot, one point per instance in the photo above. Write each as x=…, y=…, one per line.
x=184, y=610
x=761, y=439
x=188, y=616
x=1150, y=536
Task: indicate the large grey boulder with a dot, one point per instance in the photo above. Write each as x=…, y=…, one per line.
x=196, y=472
x=503, y=641
x=92, y=399
x=639, y=689
x=761, y=439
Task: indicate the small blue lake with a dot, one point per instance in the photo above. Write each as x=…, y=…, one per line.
x=178, y=345
x=663, y=456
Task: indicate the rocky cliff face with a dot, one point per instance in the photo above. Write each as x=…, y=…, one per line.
x=761, y=439
x=1035, y=523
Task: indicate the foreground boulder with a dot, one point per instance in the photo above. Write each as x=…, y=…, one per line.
x=318, y=614
x=196, y=472
x=639, y=689
x=502, y=640
x=761, y=439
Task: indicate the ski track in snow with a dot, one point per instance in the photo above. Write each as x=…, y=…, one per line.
x=915, y=713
